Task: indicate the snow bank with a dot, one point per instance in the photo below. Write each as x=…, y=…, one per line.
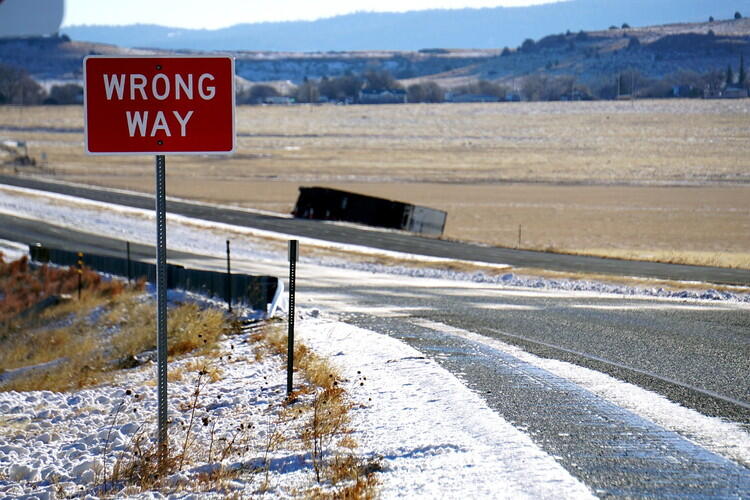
x=437, y=438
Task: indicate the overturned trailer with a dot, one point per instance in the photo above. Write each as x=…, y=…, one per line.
x=332, y=204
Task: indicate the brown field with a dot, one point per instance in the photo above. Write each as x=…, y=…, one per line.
x=667, y=180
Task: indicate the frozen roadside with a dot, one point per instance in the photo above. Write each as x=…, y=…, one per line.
x=414, y=415
x=435, y=437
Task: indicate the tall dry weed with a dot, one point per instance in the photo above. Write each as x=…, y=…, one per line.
x=191, y=328
x=23, y=285
x=323, y=421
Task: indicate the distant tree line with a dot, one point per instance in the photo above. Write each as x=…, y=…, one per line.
x=534, y=87
x=17, y=87
x=347, y=89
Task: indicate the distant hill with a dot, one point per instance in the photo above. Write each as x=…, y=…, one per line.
x=462, y=28
x=646, y=61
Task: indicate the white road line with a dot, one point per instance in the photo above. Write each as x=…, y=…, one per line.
x=725, y=438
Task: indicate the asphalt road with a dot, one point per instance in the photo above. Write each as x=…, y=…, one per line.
x=693, y=353
x=401, y=242
x=31, y=232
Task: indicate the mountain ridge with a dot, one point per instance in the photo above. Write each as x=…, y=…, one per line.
x=685, y=59
x=482, y=28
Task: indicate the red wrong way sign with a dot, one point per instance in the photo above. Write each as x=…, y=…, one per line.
x=159, y=105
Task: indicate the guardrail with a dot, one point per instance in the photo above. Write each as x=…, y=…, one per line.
x=261, y=293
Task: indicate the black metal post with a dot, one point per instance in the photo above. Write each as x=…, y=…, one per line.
x=161, y=304
x=127, y=250
x=293, y=256
x=80, y=274
x=229, y=281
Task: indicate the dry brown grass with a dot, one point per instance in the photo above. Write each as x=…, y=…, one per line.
x=70, y=337
x=601, y=177
x=315, y=419
x=317, y=370
x=206, y=365
x=62, y=338
x=23, y=285
x=191, y=327
x=647, y=141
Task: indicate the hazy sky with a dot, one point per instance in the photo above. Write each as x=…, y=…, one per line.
x=220, y=13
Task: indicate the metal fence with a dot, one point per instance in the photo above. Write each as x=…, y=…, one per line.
x=254, y=291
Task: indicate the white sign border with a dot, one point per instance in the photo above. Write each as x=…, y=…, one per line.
x=159, y=152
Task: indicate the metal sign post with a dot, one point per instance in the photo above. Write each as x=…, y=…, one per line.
x=161, y=301
x=293, y=257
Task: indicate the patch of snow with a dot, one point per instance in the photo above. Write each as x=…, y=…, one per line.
x=12, y=250
x=437, y=438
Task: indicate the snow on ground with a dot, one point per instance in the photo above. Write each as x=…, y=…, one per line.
x=57, y=444
x=12, y=250
x=433, y=436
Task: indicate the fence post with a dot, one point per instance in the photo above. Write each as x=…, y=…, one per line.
x=293, y=256
x=229, y=281
x=519, y=236
x=80, y=273
x=127, y=251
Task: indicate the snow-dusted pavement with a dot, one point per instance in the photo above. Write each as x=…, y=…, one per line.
x=437, y=439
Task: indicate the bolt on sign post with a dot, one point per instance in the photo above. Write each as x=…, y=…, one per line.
x=159, y=105
x=293, y=258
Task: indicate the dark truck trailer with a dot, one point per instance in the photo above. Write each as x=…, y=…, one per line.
x=332, y=204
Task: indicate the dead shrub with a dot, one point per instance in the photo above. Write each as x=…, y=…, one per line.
x=63, y=344
x=24, y=285
x=191, y=328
